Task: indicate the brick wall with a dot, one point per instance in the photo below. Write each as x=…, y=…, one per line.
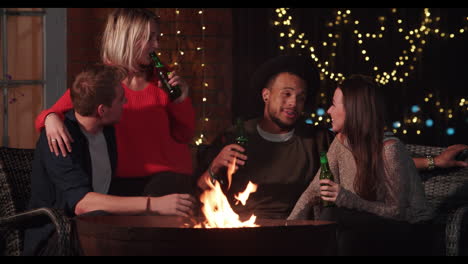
x=85, y=26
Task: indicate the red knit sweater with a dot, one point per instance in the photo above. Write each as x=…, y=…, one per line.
x=152, y=135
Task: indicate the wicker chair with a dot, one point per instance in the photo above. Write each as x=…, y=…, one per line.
x=15, y=191
x=447, y=192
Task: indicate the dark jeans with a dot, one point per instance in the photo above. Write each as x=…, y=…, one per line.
x=361, y=233
x=159, y=184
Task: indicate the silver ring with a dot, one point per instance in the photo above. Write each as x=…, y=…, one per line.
x=53, y=140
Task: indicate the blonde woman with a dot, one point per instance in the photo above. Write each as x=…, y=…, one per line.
x=152, y=136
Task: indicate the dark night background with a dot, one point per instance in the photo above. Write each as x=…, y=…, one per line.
x=441, y=68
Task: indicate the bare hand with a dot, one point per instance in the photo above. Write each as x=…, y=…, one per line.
x=226, y=157
x=174, y=80
x=58, y=137
x=174, y=204
x=329, y=190
x=446, y=158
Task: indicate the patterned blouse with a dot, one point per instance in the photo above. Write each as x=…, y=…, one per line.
x=400, y=195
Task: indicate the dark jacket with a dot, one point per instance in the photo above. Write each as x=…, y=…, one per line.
x=61, y=182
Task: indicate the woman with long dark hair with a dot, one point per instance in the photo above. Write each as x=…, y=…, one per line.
x=375, y=178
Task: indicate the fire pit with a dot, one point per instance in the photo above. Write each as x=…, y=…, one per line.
x=168, y=235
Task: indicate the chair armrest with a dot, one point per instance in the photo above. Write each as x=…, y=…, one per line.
x=32, y=217
x=423, y=150
x=453, y=230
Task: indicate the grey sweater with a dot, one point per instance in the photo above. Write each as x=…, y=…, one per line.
x=400, y=194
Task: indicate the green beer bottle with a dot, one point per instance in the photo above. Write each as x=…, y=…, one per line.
x=173, y=91
x=325, y=173
x=241, y=138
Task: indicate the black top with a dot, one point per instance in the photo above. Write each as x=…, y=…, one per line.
x=61, y=182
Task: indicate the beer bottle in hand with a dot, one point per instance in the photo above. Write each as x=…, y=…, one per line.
x=173, y=91
x=241, y=138
x=325, y=173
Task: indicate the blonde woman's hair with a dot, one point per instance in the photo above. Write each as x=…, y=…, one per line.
x=124, y=31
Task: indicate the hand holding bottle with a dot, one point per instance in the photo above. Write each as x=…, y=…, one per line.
x=329, y=191
x=328, y=188
x=226, y=158
x=171, y=87
x=176, y=80
x=241, y=137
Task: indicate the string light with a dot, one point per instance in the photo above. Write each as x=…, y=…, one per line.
x=403, y=66
x=179, y=53
x=444, y=113
x=201, y=139
x=416, y=38
x=300, y=38
x=398, y=73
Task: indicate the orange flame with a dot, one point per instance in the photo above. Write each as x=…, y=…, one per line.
x=243, y=196
x=231, y=170
x=216, y=207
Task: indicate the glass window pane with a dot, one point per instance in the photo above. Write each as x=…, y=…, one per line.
x=25, y=47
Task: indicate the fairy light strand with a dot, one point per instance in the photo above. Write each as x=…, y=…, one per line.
x=416, y=38
x=201, y=138
x=179, y=51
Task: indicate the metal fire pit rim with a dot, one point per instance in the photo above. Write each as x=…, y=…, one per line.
x=86, y=226
x=178, y=222
x=107, y=239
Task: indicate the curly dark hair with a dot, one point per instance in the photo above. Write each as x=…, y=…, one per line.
x=299, y=65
